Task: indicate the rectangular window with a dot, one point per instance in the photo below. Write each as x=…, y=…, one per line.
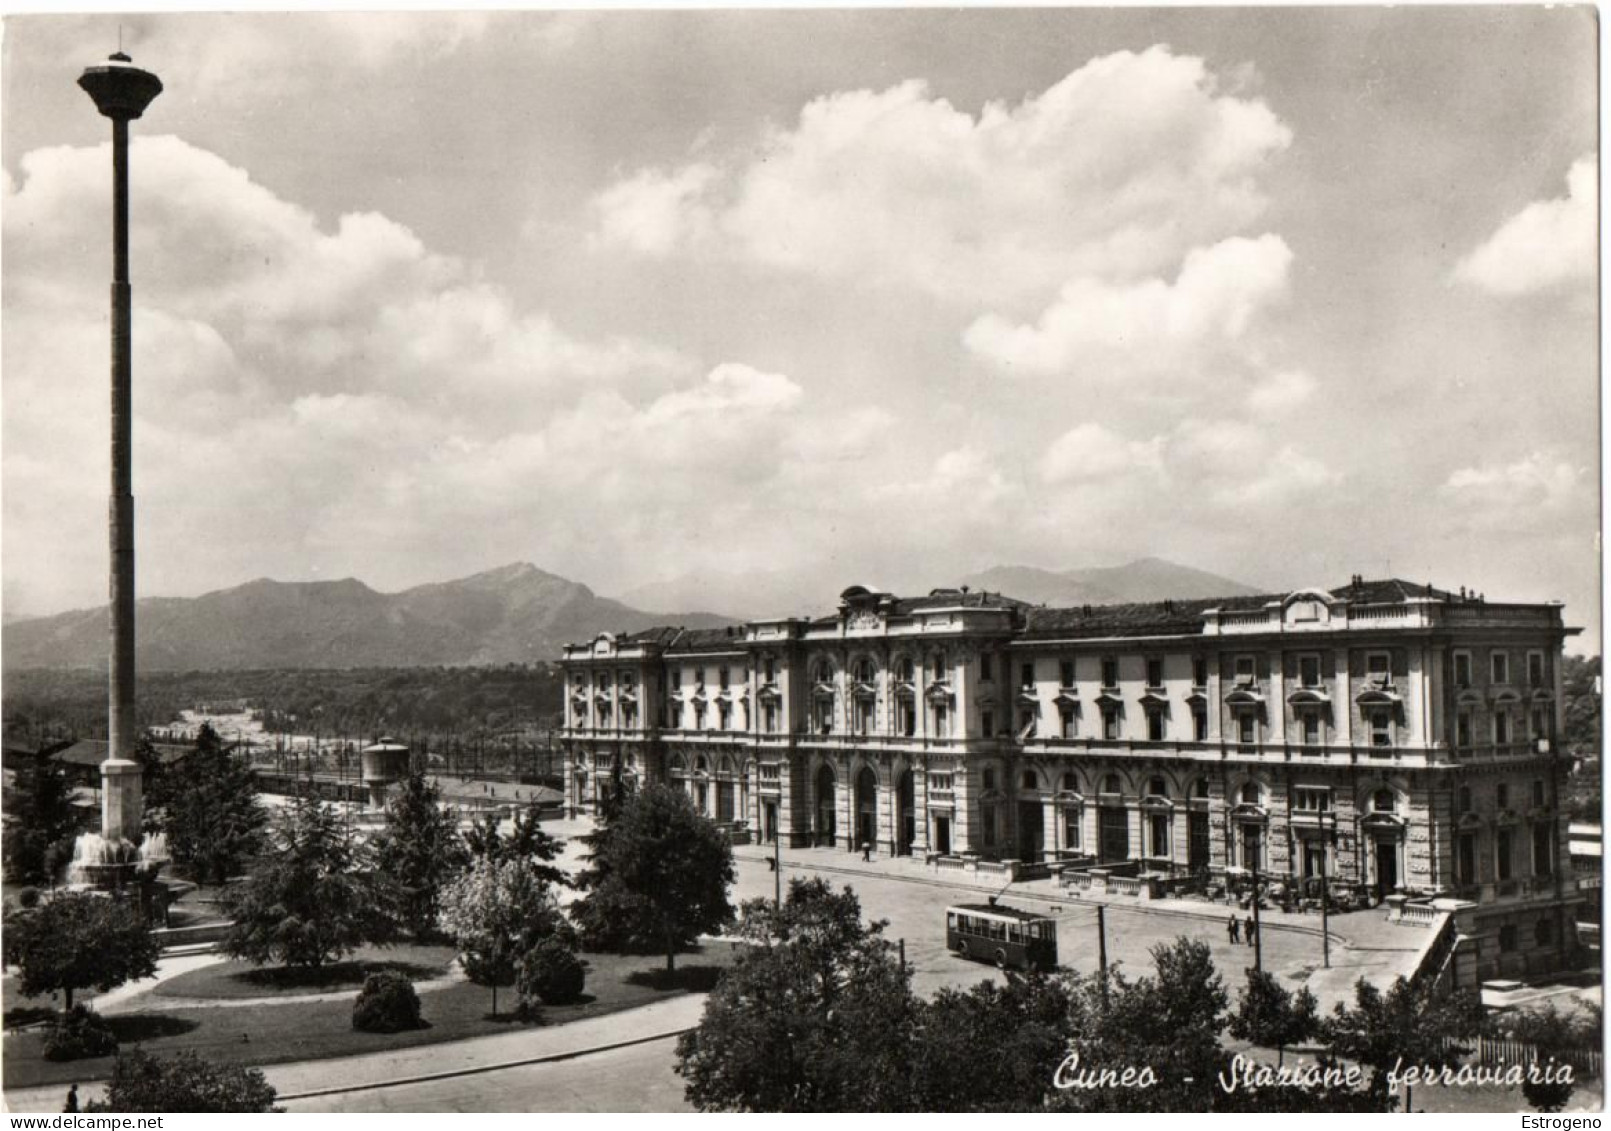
x=1502, y=852
x=1066, y=673
x=699, y=716
x=769, y=669
x=1110, y=673
x=725, y=675
x=1462, y=669
x=1110, y=724
x=1309, y=671
x=1540, y=723
x=988, y=725
x=1155, y=726
x=1199, y=722
x=1313, y=799
x=1543, y=848
x=1507, y=937
x=1381, y=727
x=1379, y=667
x=1070, y=726
x=1502, y=795
x=676, y=678
x=673, y=715
x=1199, y=671
x=939, y=666
x=1465, y=871
x=1535, y=669
x=725, y=713
x=1501, y=729
x=770, y=714
x=1462, y=729
x=908, y=718
x=1538, y=793
x=1073, y=835
x=864, y=716
x=1246, y=728
x=1159, y=834
x=1154, y=673
x=986, y=669
x=942, y=721
x=1246, y=670
x=1500, y=666
x=1311, y=728
x=940, y=783
x=1026, y=676
x=699, y=677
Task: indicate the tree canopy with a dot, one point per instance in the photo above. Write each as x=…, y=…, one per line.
x=40, y=822
x=418, y=851
x=183, y=1082
x=660, y=872
x=207, y=805
x=497, y=911
x=312, y=899
x=1269, y=1014
x=78, y=940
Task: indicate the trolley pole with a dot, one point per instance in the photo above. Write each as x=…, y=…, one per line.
x=777, y=868
x=1102, y=949
x=1258, y=930
x=1325, y=896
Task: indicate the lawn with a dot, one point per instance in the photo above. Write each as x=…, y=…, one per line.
x=310, y=1030
x=227, y=980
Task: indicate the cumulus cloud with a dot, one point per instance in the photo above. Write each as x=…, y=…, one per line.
x=1219, y=290
x=1117, y=170
x=1547, y=244
x=1090, y=452
x=1539, y=480
x=1281, y=392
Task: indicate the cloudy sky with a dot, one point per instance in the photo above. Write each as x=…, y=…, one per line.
x=1285, y=295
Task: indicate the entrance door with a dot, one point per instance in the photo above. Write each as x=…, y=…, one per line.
x=1386, y=866
x=866, y=808
x=1197, y=842
x=1114, y=843
x=1465, y=870
x=906, y=800
x=724, y=801
x=942, y=835
x=827, y=829
x=1314, y=859
x=1252, y=847
x=769, y=821
x=1031, y=833
x=702, y=798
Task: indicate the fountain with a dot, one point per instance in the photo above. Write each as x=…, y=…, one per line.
x=108, y=863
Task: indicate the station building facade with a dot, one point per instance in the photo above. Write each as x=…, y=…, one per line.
x=1386, y=734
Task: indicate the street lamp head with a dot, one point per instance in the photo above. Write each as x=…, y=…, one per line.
x=120, y=89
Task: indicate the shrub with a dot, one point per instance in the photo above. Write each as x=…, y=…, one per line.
x=28, y=897
x=551, y=972
x=386, y=1004
x=186, y=1082
x=77, y=1034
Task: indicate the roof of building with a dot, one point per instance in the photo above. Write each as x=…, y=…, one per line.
x=93, y=751
x=1151, y=618
x=708, y=640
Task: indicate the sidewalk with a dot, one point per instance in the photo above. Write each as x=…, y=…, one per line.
x=478, y=1054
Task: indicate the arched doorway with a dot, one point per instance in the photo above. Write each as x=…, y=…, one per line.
x=826, y=828
x=866, y=808
x=906, y=808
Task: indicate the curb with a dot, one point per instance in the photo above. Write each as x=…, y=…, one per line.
x=1070, y=901
x=453, y=1073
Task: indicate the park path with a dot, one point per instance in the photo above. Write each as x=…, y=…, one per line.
x=424, y=1063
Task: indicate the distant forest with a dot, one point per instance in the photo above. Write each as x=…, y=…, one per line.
x=441, y=705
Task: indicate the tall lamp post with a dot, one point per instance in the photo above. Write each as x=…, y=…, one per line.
x=121, y=92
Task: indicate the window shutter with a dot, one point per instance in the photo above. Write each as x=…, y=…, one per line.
x=1401, y=662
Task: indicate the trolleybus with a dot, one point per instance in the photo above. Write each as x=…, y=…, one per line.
x=1007, y=936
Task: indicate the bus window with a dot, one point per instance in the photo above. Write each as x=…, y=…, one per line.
x=951, y=921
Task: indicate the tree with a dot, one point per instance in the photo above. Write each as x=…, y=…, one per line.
x=1025, y=1025
x=1411, y=1023
x=664, y=871
x=206, y=804
x=1168, y=1024
x=817, y=1017
x=39, y=818
x=312, y=899
x=1554, y=1033
x=185, y=1082
x=1269, y=1014
x=497, y=911
x=418, y=851
x=77, y=940
x=526, y=840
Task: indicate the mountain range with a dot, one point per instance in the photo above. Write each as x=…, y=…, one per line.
x=514, y=614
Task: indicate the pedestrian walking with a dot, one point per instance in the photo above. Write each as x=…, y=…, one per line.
x=1234, y=927
x=1252, y=931
x=72, y=1099
x=866, y=851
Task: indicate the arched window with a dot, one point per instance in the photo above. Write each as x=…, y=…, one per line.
x=1251, y=794
x=942, y=666
x=1157, y=788
x=864, y=670
x=989, y=779
x=1200, y=789
x=1071, y=783
x=1030, y=781
x=1383, y=801
x=822, y=672
x=905, y=669
x=1110, y=784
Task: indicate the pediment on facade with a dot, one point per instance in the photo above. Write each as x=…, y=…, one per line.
x=1313, y=696
x=1244, y=697
x=1383, y=696
x=1250, y=814
x=939, y=693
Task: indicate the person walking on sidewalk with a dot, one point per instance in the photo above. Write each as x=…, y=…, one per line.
x=866, y=851
x=72, y=1100
x=1252, y=931
x=1234, y=929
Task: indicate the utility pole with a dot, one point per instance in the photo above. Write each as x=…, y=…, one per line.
x=1258, y=930
x=1325, y=892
